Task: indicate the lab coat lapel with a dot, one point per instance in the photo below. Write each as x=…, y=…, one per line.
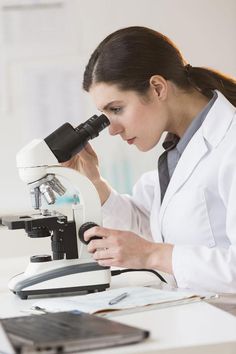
x=211, y=133
x=192, y=155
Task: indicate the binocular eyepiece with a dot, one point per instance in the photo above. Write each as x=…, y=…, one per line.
x=67, y=141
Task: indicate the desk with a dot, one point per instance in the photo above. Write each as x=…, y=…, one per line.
x=190, y=328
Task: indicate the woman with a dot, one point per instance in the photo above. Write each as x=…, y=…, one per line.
x=185, y=212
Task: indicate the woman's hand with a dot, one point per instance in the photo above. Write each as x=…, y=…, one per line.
x=128, y=250
x=86, y=162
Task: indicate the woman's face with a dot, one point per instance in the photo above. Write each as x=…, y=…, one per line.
x=137, y=120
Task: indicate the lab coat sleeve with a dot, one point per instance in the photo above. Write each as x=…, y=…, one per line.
x=132, y=213
x=212, y=269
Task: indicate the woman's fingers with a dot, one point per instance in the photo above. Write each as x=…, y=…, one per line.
x=88, y=148
x=96, y=244
x=72, y=163
x=88, y=153
x=102, y=254
x=98, y=231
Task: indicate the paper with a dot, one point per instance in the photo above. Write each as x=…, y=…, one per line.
x=3, y=73
x=38, y=26
x=3, y=83
x=99, y=302
x=49, y=95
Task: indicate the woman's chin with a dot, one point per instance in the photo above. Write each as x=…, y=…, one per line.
x=144, y=148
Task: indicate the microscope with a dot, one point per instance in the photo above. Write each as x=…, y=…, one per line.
x=70, y=268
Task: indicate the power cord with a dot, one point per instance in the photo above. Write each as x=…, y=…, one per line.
x=120, y=271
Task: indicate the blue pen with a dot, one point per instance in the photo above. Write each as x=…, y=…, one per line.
x=118, y=299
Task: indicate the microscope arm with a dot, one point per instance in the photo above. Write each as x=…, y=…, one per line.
x=89, y=209
x=88, y=194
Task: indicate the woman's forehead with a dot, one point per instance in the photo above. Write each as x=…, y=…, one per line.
x=105, y=94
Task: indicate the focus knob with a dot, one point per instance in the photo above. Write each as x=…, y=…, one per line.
x=84, y=227
x=40, y=258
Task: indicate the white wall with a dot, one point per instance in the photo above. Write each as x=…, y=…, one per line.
x=42, y=55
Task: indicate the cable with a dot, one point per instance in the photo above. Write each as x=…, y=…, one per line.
x=120, y=271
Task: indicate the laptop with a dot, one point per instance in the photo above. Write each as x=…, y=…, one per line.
x=5, y=345
x=67, y=332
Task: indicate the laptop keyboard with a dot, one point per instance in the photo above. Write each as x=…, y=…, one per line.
x=70, y=331
x=51, y=327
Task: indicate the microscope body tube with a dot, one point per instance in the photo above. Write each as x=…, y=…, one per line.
x=59, y=146
x=67, y=141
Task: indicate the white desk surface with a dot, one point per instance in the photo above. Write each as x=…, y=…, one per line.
x=191, y=328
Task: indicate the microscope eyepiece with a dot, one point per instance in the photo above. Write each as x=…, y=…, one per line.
x=93, y=126
x=66, y=141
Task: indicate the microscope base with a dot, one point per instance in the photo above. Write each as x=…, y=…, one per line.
x=61, y=279
x=24, y=294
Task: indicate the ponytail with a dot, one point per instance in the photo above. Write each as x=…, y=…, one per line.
x=205, y=80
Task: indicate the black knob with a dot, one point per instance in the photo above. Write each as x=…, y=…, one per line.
x=85, y=227
x=40, y=258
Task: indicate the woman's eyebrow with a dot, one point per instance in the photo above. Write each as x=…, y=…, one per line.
x=109, y=104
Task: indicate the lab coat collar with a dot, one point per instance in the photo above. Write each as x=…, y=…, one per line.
x=209, y=135
x=218, y=120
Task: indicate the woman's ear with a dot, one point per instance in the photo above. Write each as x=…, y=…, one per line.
x=159, y=86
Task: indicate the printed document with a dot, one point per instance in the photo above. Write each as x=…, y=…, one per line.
x=99, y=302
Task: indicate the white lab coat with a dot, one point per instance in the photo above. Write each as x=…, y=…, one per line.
x=198, y=212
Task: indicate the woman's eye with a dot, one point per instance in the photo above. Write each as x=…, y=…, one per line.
x=116, y=110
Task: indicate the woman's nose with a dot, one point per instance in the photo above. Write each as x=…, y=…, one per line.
x=114, y=129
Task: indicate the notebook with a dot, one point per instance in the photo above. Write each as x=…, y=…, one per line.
x=100, y=302
x=67, y=332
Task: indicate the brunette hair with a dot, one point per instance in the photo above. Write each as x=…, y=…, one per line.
x=130, y=56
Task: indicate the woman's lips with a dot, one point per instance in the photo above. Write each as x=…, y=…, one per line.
x=130, y=141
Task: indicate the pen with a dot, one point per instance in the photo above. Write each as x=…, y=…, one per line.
x=118, y=299
x=38, y=308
